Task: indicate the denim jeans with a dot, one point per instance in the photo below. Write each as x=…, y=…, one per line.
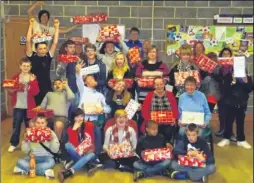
x=98, y=137
x=182, y=134
x=152, y=170
x=194, y=173
x=19, y=115
x=80, y=161
x=74, y=105
x=43, y=163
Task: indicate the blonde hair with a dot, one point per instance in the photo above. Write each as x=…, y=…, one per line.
x=120, y=112
x=185, y=49
x=119, y=71
x=126, y=94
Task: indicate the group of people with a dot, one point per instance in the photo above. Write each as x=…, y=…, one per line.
x=108, y=124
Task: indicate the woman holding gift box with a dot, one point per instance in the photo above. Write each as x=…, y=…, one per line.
x=159, y=101
x=193, y=101
x=79, y=144
x=22, y=100
x=119, y=144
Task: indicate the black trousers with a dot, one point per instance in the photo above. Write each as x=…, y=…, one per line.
x=167, y=131
x=234, y=113
x=222, y=115
x=211, y=106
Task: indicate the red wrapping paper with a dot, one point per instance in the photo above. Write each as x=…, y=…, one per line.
x=91, y=18
x=159, y=154
x=110, y=33
x=67, y=58
x=128, y=82
x=134, y=55
x=205, y=63
x=146, y=82
x=84, y=146
x=36, y=135
x=46, y=112
x=11, y=84
x=123, y=150
x=79, y=40
x=189, y=161
x=41, y=37
x=225, y=61
x=181, y=76
x=162, y=117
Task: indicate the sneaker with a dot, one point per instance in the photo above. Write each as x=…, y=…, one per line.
x=233, y=138
x=204, y=178
x=244, y=144
x=219, y=133
x=224, y=142
x=138, y=175
x=12, y=149
x=94, y=168
x=178, y=175
x=49, y=173
x=68, y=165
x=19, y=170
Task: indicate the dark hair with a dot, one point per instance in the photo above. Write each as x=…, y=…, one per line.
x=24, y=60
x=213, y=56
x=190, y=79
x=56, y=81
x=225, y=49
x=42, y=116
x=89, y=75
x=159, y=77
x=64, y=45
x=194, y=47
x=37, y=44
x=74, y=114
x=41, y=13
x=192, y=128
x=90, y=45
x=135, y=29
x=150, y=123
x=102, y=51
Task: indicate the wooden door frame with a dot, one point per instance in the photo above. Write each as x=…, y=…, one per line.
x=6, y=20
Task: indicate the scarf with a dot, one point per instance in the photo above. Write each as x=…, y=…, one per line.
x=114, y=136
x=126, y=97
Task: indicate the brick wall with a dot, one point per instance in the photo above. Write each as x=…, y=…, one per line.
x=151, y=19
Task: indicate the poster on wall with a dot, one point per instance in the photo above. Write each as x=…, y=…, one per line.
x=214, y=38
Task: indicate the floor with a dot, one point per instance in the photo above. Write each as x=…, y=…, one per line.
x=234, y=164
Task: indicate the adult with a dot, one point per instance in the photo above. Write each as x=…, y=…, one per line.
x=146, y=45
x=134, y=39
x=198, y=49
x=41, y=60
x=160, y=100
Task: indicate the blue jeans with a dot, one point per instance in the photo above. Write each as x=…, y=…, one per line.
x=19, y=115
x=151, y=170
x=98, y=137
x=194, y=173
x=74, y=105
x=182, y=133
x=80, y=161
x=43, y=163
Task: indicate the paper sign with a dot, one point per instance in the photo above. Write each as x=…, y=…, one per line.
x=220, y=33
x=90, y=70
x=193, y=117
x=132, y=108
x=239, y=67
x=169, y=88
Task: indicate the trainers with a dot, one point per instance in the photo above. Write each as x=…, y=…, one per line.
x=233, y=138
x=68, y=165
x=219, y=133
x=94, y=168
x=204, y=178
x=244, y=144
x=178, y=175
x=138, y=175
x=224, y=142
x=49, y=173
x=19, y=170
x=12, y=149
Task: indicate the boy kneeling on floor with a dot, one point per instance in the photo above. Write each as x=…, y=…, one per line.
x=44, y=160
x=195, y=147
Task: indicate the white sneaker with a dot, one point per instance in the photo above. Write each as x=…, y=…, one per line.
x=19, y=170
x=244, y=144
x=12, y=149
x=49, y=174
x=224, y=142
x=68, y=165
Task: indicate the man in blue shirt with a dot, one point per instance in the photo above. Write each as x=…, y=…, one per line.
x=134, y=39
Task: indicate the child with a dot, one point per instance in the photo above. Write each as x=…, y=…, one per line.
x=78, y=131
x=151, y=140
x=185, y=65
x=196, y=147
x=58, y=101
x=44, y=159
x=22, y=100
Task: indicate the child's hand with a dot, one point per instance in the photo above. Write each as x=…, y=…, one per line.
x=32, y=77
x=79, y=66
x=99, y=38
x=56, y=23
x=203, y=126
x=40, y=3
x=31, y=21
x=192, y=153
x=168, y=145
x=200, y=156
x=36, y=108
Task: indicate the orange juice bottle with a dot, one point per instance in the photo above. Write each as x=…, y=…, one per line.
x=32, y=165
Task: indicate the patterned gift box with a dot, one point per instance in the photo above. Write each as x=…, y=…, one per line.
x=134, y=55
x=225, y=61
x=11, y=84
x=162, y=117
x=146, y=82
x=205, y=63
x=110, y=33
x=90, y=108
x=123, y=150
x=85, y=145
x=189, y=161
x=91, y=18
x=181, y=76
x=159, y=154
x=41, y=37
x=67, y=58
x=34, y=112
x=128, y=82
x=36, y=135
x=79, y=40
